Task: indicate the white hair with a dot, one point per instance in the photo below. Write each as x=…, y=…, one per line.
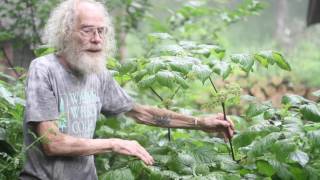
x=61, y=23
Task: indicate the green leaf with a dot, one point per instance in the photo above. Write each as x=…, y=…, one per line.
x=265, y=168
x=123, y=173
x=128, y=67
x=314, y=137
x=43, y=51
x=155, y=65
x=202, y=169
x=207, y=50
x=255, y=110
x=166, y=78
x=153, y=37
x=181, y=66
x=265, y=58
x=147, y=82
x=182, y=163
x=113, y=64
x=298, y=172
x=4, y=36
x=188, y=45
x=282, y=148
x=310, y=112
x=299, y=156
x=138, y=75
x=227, y=164
x=259, y=146
x=245, y=61
x=294, y=100
x=182, y=82
x=221, y=68
x=281, y=62
x=171, y=49
x=247, y=137
x=311, y=126
x=6, y=95
x=202, y=72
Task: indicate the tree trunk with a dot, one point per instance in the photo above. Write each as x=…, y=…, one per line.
x=282, y=33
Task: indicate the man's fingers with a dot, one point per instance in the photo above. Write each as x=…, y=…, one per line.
x=231, y=122
x=145, y=156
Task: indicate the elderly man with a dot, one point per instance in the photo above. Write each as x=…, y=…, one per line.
x=66, y=92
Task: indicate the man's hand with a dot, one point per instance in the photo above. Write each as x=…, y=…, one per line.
x=132, y=148
x=217, y=123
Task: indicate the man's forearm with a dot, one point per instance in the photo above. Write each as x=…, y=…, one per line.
x=59, y=144
x=162, y=117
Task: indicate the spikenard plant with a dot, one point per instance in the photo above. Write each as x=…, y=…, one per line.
x=172, y=66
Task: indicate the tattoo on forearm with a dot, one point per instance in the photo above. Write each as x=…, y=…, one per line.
x=162, y=120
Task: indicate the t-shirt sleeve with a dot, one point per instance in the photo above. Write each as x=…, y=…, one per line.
x=41, y=103
x=115, y=99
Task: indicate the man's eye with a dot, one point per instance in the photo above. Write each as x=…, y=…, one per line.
x=87, y=30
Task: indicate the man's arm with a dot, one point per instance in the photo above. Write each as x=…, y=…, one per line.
x=60, y=144
x=166, y=118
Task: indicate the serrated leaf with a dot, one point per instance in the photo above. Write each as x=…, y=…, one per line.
x=299, y=156
x=138, y=75
x=257, y=131
x=181, y=66
x=202, y=72
x=124, y=174
x=166, y=78
x=188, y=45
x=245, y=61
x=227, y=164
x=310, y=112
x=281, y=62
x=113, y=64
x=171, y=49
x=255, y=110
x=202, y=169
x=265, y=168
x=153, y=37
x=294, y=100
x=182, y=163
x=147, y=82
x=311, y=126
x=221, y=68
x=128, y=67
x=282, y=148
x=259, y=146
x=182, y=82
x=265, y=58
x=155, y=65
x=293, y=125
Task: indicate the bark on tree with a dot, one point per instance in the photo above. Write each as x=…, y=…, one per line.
x=282, y=33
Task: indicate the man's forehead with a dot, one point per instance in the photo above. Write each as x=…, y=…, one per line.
x=90, y=14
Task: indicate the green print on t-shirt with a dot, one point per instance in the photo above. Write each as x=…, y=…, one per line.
x=78, y=112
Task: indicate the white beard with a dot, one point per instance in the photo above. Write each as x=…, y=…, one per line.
x=83, y=62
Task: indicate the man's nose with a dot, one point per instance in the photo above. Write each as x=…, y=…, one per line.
x=96, y=38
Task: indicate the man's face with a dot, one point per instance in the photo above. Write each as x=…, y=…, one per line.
x=85, y=51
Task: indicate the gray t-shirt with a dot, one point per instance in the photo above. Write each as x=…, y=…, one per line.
x=55, y=93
